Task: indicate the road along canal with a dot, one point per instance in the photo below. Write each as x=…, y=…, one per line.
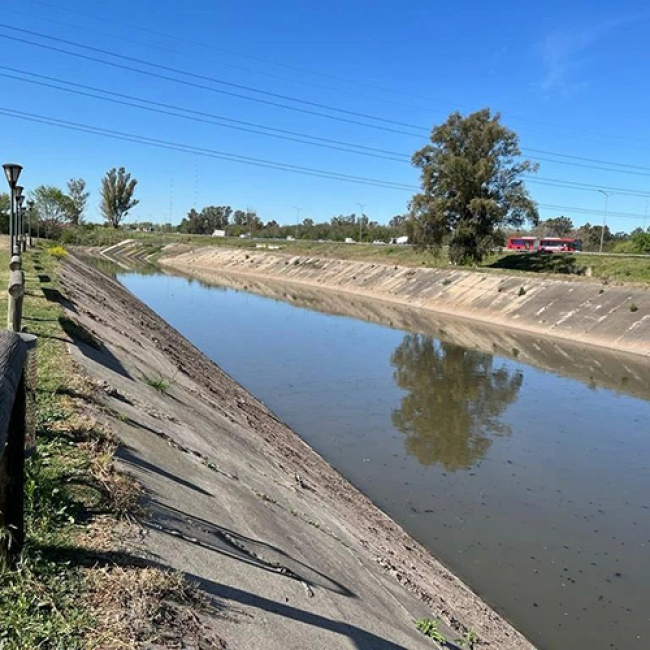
x=521, y=463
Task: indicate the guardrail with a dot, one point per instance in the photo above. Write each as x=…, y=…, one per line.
x=17, y=424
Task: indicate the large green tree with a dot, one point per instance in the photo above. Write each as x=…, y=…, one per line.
x=472, y=186
x=117, y=195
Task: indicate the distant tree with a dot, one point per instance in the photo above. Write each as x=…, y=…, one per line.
x=78, y=200
x=640, y=242
x=117, y=195
x=590, y=237
x=53, y=207
x=207, y=221
x=471, y=186
x=216, y=217
x=557, y=226
x=4, y=213
x=239, y=218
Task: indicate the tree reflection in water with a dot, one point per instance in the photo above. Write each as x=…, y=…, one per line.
x=454, y=400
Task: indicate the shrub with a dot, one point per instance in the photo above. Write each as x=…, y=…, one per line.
x=57, y=251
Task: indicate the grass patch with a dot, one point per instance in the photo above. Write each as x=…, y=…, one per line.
x=430, y=628
x=64, y=594
x=158, y=383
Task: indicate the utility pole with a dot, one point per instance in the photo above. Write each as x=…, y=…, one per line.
x=249, y=220
x=645, y=217
x=602, y=234
x=363, y=207
x=298, y=211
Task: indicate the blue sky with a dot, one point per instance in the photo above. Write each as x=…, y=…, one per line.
x=570, y=78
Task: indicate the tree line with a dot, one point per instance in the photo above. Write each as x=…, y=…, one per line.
x=472, y=197
x=57, y=209
x=247, y=222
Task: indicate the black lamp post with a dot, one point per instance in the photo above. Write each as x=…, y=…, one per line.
x=18, y=192
x=20, y=220
x=12, y=172
x=30, y=209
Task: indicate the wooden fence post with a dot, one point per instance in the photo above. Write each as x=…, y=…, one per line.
x=16, y=291
x=13, y=352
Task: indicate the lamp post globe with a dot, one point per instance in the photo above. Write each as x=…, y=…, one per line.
x=12, y=173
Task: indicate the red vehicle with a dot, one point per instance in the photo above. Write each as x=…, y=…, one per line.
x=521, y=243
x=558, y=245
x=544, y=244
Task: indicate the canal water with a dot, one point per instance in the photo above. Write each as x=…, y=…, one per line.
x=522, y=464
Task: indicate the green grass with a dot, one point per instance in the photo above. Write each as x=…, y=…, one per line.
x=56, y=597
x=42, y=601
x=430, y=629
x=158, y=383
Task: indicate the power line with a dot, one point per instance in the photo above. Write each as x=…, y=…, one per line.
x=201, y=116
x=260, y=129
x=202, y=151
x=392, y=155
x=243, y=55
x=215, y=80
x=620, y=215
x=189, y=55
x=302, y=138
x=583, y=159
x=293, y=108
x=267, y=61
x=191, y=84
x=270, y=164
x=585, y=166
x=554, y=182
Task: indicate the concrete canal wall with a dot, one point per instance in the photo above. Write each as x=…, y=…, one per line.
x=611, y=316
x=294, y=555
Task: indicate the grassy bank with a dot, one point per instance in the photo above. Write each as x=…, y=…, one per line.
x=73, y=588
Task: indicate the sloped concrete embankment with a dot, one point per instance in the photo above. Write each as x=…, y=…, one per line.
x=595, y=367
x=616, y=317
x=294, y=556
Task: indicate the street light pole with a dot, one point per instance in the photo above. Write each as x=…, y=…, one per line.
x=602, y=233
x=30, y=208
x=363, y=207
x=18, y=191
x=20, y=222
x=12, y=173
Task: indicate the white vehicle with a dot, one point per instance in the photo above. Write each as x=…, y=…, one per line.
x=290, y=238
x=219, y=233
x=379, y=242
x=400, y=240
x=349, y=240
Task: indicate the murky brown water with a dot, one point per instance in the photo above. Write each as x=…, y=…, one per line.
x=523, y=464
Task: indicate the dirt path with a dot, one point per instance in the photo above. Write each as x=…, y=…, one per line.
x=294, y=556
